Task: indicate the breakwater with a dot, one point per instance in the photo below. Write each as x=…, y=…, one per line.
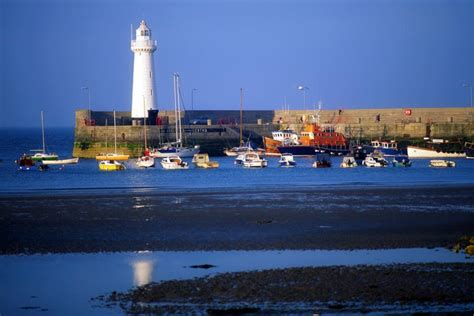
x=94, y=132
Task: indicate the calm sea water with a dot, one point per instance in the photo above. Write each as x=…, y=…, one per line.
x=86, y=174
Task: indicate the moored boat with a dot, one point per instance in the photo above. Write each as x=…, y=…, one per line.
x=323, y=160
x=174, y=149
x=145, y=161
x=348, y=162
x=202, y=161
x=437, y=148
x=25, y=162
x=401, y=161
x=439, y=163
x=387, y=148
x=287, y=160
x=173, y=163
x=111, y=165
x=41, y=153
x=112, y=156
x=253, y=160
x=313, y=139
x=375, y=161
x=469, y=150
x=70, y=161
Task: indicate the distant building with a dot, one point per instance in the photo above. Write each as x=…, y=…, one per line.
x=143, y=94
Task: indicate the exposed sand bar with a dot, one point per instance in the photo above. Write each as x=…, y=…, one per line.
x=400, y=289
x=306, y=218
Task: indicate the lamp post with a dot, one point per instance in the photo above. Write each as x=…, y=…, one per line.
x=303, y=88
x=465, y=85
x=89, y=96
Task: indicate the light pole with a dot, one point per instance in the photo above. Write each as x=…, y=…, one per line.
x=192, y=99
x=303, y=88
x=465, y=85
x=89, y=96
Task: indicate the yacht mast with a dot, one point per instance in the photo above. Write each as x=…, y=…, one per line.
x=241, y=100
x=176, y=133
x=144, y=122
x=179, y=111
x=115, y=135
x=42, y=132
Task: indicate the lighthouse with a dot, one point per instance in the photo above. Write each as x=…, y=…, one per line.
x=143, y=94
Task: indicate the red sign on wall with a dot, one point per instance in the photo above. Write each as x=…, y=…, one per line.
x=407, y=112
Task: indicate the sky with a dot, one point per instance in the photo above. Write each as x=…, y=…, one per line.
x=349, y=53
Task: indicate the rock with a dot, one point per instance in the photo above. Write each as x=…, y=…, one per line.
x=202, y=266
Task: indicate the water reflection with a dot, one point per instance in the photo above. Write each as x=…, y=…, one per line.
x=142, y=272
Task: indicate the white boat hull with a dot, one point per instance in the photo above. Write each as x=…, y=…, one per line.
x=182, y=152
x=418, y=152
x=145, y=162
x=61, y=162
x=442, y=164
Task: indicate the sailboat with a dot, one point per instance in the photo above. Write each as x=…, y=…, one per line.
x=113, y=156
x=41, y=153
x=176, y=148
x=111, y=162
x=145, y=161
x=242, y=148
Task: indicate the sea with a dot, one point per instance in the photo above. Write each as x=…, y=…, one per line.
x=87, y=177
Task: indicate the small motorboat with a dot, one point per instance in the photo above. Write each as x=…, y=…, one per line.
x=202, y=161
x=173, y=163
x=348, y=162
x=401, y=161
x=323, y=160
x=111, y=165
x=25, y=162
x=71, y=161
x=253, y=160
x=145, y=162
x=439, y=163
x=375, y=160
x=287, y=160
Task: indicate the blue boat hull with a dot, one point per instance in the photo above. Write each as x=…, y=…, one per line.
x=297, y=150
x=385, y=151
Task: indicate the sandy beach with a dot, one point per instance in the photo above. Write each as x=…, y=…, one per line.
x=322, y=218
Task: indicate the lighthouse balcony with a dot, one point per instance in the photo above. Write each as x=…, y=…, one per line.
x=145, y=45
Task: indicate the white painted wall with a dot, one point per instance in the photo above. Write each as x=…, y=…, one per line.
x=143, y=73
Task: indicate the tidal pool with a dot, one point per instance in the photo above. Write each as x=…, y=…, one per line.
x=63, y=284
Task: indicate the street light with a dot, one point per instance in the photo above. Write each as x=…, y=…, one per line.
x=465, y=85
x=192, y=98
x=89, y=95
x=303, y=88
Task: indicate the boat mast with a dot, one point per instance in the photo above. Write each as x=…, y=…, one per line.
x=176, y=133
x=144, y=121
x=106, y=136
x=42, y=132
x=241, y=100
x=115, y=135
x=179, y=111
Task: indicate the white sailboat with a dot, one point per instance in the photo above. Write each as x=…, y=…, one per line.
x=176, y=148
x=145, y=161
x=111, y=162
x=41, y=154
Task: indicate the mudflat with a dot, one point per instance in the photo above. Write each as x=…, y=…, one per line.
x=295, y=218
x=399, y=288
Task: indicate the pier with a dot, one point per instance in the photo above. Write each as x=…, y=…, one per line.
x=218, y=129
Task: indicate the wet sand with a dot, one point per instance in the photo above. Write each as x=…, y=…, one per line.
x=359, y=289
x=303, y=218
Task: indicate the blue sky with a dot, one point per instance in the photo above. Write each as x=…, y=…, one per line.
x=351, y=54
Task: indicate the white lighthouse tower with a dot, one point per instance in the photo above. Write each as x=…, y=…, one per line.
x=143, y=94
